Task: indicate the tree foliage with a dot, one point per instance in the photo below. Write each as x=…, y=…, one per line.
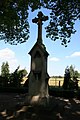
x=11, y=79
x=66, y=78
x=17, y=76
x=5, y=69
x=14, y=24
x=4, y=78
x=70, y=78
x=73, y=73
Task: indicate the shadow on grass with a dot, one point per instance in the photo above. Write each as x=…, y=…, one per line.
x=12, y=107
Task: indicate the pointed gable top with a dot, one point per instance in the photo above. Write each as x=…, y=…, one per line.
x=41, y=47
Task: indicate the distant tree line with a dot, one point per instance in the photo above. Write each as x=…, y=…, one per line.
x=57, y=76
x=8, y=79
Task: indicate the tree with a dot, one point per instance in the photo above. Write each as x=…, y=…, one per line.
x=5, y=73
x=14, y=24
x=70, y=78
x=73, y=73
x=16, y=77
x=21, y=73
x=66, y=78
x=5, y=69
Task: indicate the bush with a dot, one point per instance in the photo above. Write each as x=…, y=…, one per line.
x=13, y=90
x=60, y=92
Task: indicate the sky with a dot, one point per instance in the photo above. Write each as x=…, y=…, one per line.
x=59, y=56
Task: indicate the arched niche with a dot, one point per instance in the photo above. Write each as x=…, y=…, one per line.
x=37, y=62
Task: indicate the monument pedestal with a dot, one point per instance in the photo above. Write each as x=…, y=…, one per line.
x=38, y=76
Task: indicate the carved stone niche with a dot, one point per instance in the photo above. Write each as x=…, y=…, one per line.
x=37, y=62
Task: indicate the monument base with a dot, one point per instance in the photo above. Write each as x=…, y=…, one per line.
x=37, y=100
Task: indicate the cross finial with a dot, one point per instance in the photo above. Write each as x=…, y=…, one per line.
x=39, y=20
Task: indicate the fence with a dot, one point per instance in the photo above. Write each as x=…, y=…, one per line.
x=58, y=82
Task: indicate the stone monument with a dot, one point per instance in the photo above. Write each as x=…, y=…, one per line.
x=38, y=76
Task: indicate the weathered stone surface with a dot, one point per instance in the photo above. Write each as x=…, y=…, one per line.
x=38, y=76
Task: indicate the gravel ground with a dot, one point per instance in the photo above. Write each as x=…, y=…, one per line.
x=12, y=108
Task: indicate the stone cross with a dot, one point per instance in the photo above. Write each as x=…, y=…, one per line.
x=39, y=20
